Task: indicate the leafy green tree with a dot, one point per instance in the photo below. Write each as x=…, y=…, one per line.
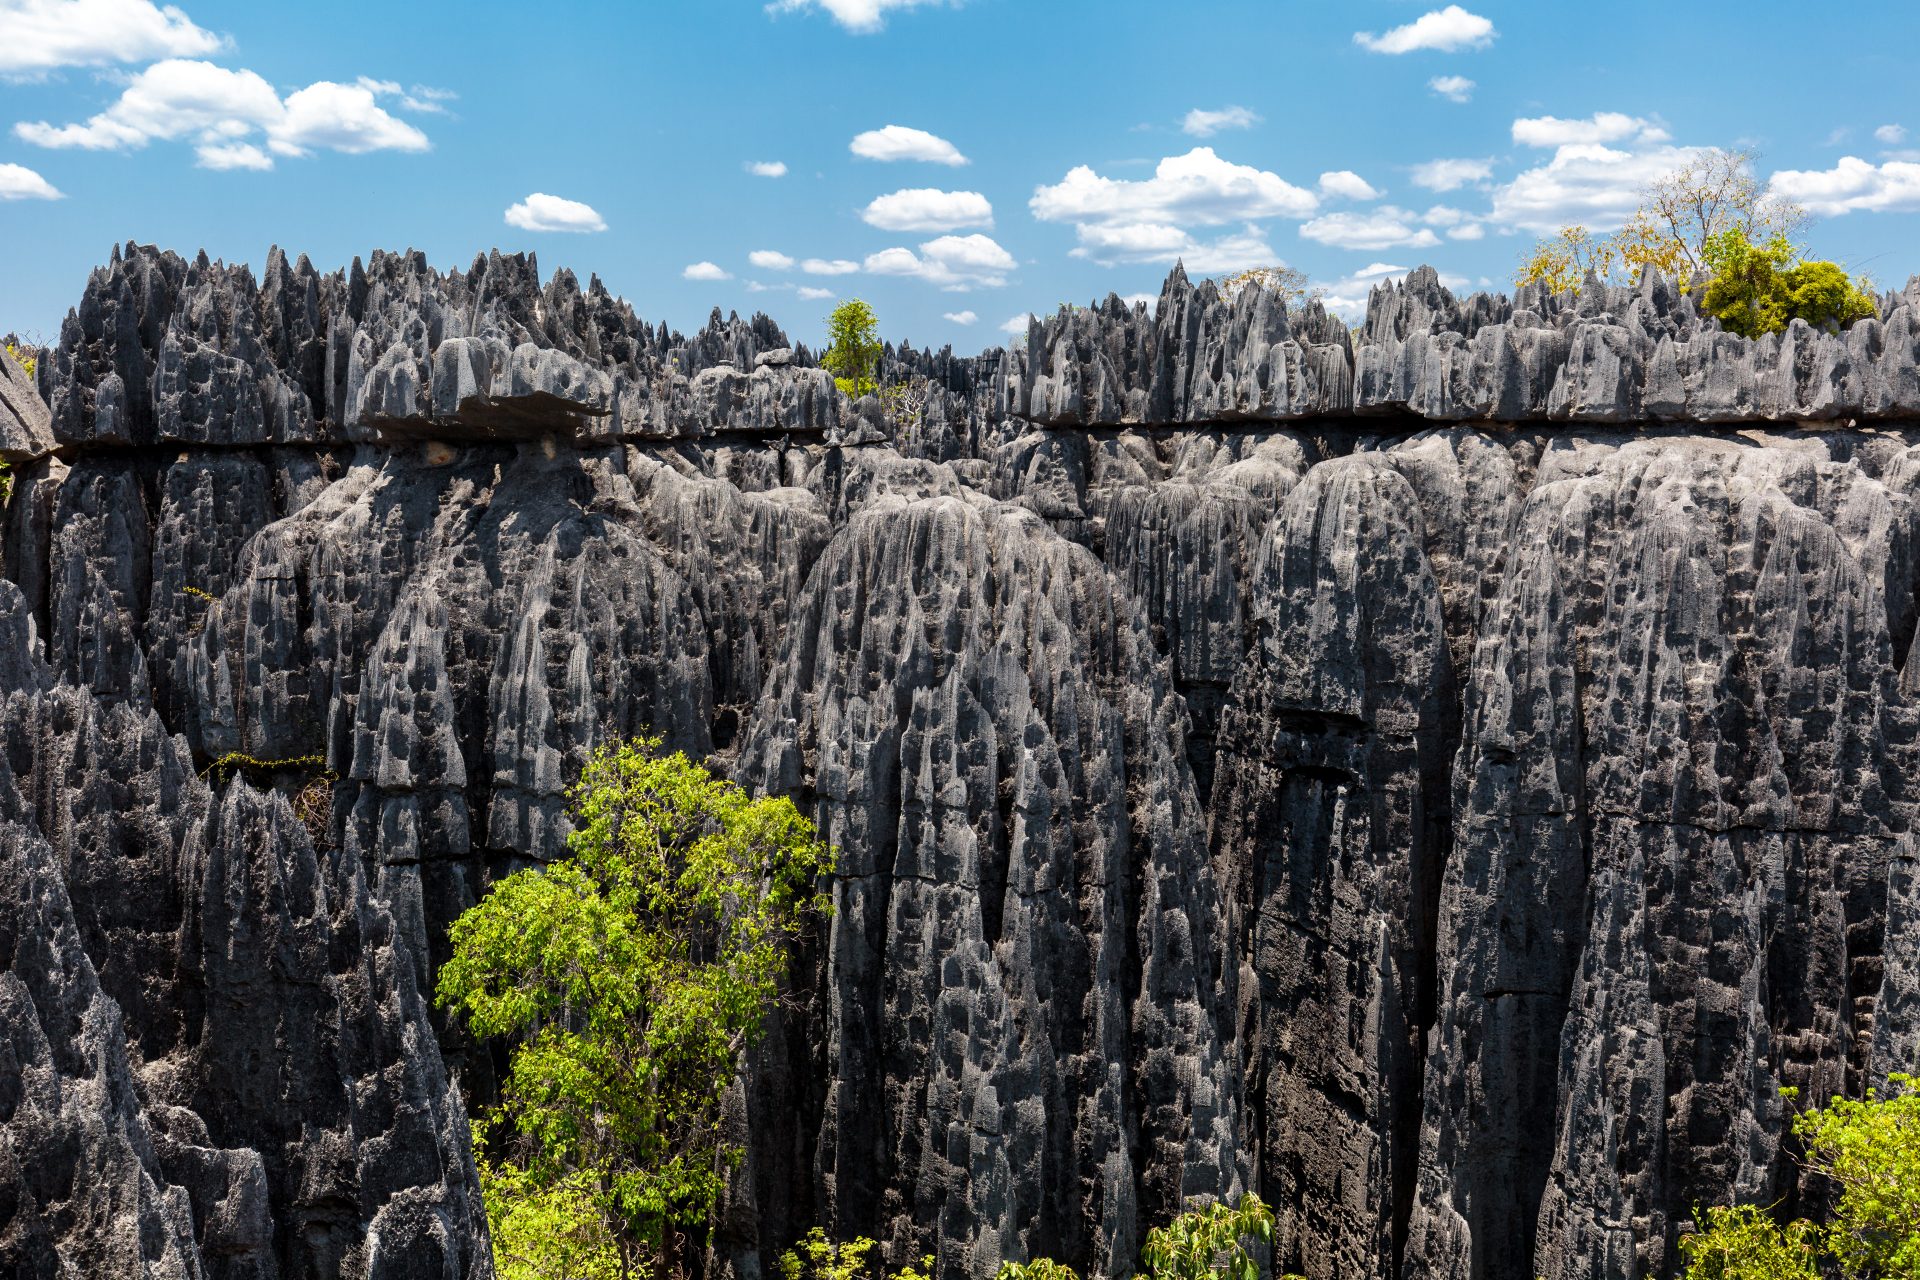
x=853, y=348
x=818, y=1258
x=1562, y=263
x=1870, y=1149
x=630, y=976
x=1213, y=1242
x=1038, y=1269
x=1759, y=288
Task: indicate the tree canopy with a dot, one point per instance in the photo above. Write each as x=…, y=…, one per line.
x=629, y=977
x=853, y=348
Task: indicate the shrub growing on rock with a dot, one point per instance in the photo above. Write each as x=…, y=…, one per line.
x=853, y=348
x=629, y=976
x=1760, y=288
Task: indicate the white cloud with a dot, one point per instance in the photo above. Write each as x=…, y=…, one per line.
x=1382, y=228
x=1451, y=175
x=1853, y=183
x=1600, y=127
x=767, y=168
x=1452, y=88
x=770, y=260
x=1597, y=187
x=1445, y=29
x=962, y=318
x=829, y=267
x=1017, y=325
x=1198, y=187
x=928, y=209
x=812, y=294
x=1204, y=124
x=41, y=35
x=1441, y=215
x=17, y=182
x=425, y=98
x=1467, y=231
x=1116, y=243
x=1891, y=134
x=955, y=263
x=706, y=271
x=542, y=212
x=232, y=155
x=1150, y=300
x=897, y=142
x=1347, y=183
x=220, y=109
x=863, y=17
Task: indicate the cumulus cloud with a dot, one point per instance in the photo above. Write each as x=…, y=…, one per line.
x=1595, y=186
x=1347, y=183
x=1600, y=127
x=542, y=212
x=221, y=109
x=1452, y=88
x=928, y=209
x=1198, y=187
x=1204, y=124
x=231, y=155
x=767, y=168
x=1384, y=228
x=863, y=17
x=1120, y=221
x=1017, y=325
x=706, y=271
x=1853, y=183
x=960, y=317
x=955, y=263
x=1445, y=30
x=42, y=35
x=897, y=142
x=770, y=260
x=829, y=267
x=1891, y=134
x=811, y=294
x=1451, y=175
x=1467, y=231
x=17, y=182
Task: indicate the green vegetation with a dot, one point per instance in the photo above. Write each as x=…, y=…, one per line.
x=629, y=977
x=1038, y=1269
x=1216, y=1241
x=853, y=348
x=1869, y=1149
x=817, y=1258
x=1759, y=288
x=22, y=359
x=28, y=363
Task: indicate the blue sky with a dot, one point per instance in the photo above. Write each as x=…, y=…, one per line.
x=956, y=164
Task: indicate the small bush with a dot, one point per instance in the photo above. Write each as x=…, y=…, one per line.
x=1760, y=288
x=1216, y=1241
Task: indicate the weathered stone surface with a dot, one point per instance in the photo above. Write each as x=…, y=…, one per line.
x=26, y=424
x=1443, y=776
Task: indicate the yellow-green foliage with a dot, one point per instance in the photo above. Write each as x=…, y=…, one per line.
x=550, y=1231
x=1216, y=1241
x=818, y=1258
x=234, y=761
x=1759, y=288
x=1038, y=1269
x=1870, y=1150
x=628, y=977
x=21, y=358
x=853, y=348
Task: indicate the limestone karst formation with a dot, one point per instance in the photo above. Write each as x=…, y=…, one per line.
x=1445, y=776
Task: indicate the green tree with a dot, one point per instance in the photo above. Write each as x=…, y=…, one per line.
x=1213, y=1242
x=853, y=348
x=1038, y=1269
x=1759, y=288
x=1563, y=262
x=630, y=975
x=1869, y=1149
x=818, y=1258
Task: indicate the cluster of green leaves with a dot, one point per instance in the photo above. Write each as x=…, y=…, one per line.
x=853, y=348
x=818, y=1258
x=629, y=977
x=24, y=360
x=1038, y=1269
x=1870, y=1149
x=1216, y=1241
x=1759, y=287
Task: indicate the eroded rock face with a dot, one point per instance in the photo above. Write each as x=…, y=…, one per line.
x=1444, y=776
